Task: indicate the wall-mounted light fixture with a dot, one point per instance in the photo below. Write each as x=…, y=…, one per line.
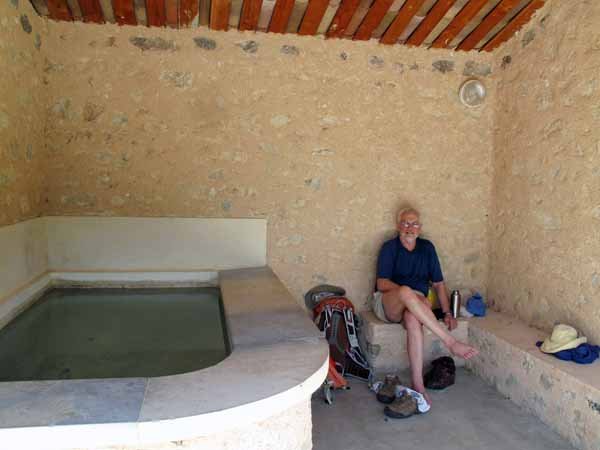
x=472, y=93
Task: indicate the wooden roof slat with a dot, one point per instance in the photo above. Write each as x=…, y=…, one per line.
x=405, y=15
x=312, y=17
x=342, y=18
x=124, y=12
x=188, y=9
x=204, y=12
x=155, y=12
x=91, y=11
x=372, y=20
x=219, y=14
x=488, y=22
x=281, y=16
x=172, y=13
x=433, y=17
x=459, y=22
x=59, y=10
x=250, y=14
x=514, y=25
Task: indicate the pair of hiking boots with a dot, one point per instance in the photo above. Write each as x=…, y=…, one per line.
x=441, y=375
x=397, y=408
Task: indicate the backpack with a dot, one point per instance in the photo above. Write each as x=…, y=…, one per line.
x=334, y=316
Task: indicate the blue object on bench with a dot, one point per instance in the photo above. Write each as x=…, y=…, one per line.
x=475, y=305
x=582, y=354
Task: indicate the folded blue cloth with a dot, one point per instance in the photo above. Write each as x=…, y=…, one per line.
x=475, y=305
x=582, y=354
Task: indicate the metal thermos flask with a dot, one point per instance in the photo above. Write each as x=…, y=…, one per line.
x=455, y=303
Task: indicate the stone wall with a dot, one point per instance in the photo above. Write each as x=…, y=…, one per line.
x=545, y=225
x=22, y=111
x=325, y=139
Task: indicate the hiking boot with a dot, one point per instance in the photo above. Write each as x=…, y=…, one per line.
x=441, y=375
x=387, y=393
x=405, y=406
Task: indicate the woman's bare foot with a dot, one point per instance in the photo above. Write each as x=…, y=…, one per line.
x=462, y=350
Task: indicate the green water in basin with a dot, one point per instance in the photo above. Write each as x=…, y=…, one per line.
x=114, y=333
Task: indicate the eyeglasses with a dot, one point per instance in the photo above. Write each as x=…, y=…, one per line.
x=407, y=225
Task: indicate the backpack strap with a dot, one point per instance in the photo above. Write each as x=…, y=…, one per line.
x=350, y=328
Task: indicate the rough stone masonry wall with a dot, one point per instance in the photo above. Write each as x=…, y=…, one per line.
x=545, y=225
x=324, y=138
x=22, y=111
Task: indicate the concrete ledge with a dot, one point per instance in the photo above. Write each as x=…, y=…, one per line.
x=385, y=344
x=564, y=395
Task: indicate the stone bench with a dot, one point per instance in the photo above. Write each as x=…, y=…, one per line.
x=564, y=395
x=385, y=344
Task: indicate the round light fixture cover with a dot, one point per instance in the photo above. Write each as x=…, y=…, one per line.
x=472, y=93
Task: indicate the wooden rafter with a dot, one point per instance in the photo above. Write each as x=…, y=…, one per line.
x=172, y=13
x=514, y=25
x=405, y=15
x=59, y=10
x=281, y=16
x=219, y=14
x=460, y=21
x=486, y=25
x=372, y=20
x=188, y=9
x=435, y=14
x=342, y=18
x=312, y=17
x=250, y=14
x=155, y=12
x=91, y=11
x=124, y=12
x=358, y=19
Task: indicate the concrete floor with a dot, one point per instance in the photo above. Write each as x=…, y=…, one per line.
x=467, y=416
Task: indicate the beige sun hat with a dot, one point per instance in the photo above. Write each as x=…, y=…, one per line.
x=563, y=337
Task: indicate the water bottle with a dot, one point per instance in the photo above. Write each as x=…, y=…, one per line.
x=455, y=303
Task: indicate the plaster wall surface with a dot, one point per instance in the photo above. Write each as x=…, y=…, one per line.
x=23, y=255
x=22, y=112
x=154, y=244
x=545, y=222
x=324, y=139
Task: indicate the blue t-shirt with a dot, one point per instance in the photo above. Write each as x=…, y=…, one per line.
x=409, y=268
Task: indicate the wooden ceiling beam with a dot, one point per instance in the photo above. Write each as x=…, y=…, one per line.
x=312, y=17
x=433, y=17
x=155, y=13
x=250, y=15
x=59, y=10
x=91, y=11
x=486, y=25
x=172, y=13
x=124, y=12
x=342, y=18
x=219, y=14
x=281, y=16
x=459, y=22
x=514, y=25
x=188, y=10
x=372, y=20
x=405, y=15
